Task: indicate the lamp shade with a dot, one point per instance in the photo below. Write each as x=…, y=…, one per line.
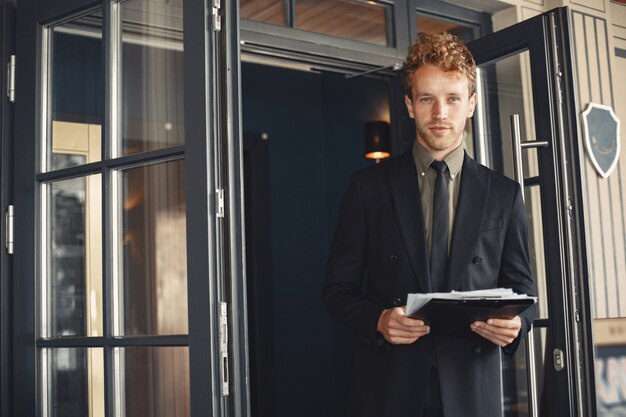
x=377, y=140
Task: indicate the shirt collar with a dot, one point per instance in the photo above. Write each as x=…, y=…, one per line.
x=423, y=159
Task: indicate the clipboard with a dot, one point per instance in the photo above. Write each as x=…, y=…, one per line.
x=453, y=317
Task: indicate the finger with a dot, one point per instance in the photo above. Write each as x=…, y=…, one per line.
x=409, y=322
x=399, y=313
x=400, y=326
x=505, y=323
x=495, y=339
x=501, y=337
x=507, y=332
x=408, y=332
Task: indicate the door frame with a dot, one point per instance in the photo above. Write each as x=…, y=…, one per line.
x=555, y=109
x=7, y=41
x=202, y=91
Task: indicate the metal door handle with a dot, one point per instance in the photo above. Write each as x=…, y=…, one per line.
x=518, y=145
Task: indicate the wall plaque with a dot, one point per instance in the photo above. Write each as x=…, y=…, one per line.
x=601, y=135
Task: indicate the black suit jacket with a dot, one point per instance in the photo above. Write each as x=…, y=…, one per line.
x=379, y=255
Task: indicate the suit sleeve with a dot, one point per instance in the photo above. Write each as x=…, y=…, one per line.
x=515, y=271
x=346, y=268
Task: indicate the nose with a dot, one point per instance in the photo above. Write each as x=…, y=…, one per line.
x=440, y=110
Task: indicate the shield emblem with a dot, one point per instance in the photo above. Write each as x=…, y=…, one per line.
x=601, y=132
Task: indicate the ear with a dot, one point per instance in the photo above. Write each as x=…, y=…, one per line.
x=409, y=106
x=472, y=104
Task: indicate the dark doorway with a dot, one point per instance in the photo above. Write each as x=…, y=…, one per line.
x=309, y=141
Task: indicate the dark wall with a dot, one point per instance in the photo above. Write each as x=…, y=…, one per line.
x=315, y=127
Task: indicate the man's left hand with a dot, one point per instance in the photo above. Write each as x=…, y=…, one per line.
x=499, y=331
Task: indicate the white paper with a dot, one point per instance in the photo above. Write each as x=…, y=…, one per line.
x=415, y=302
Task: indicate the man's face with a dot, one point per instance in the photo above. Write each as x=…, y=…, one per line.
x=440, y=106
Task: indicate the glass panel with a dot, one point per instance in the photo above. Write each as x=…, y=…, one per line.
x=152, y=75
x=361, y=21
x=266, y=11
x=154, y=249
x=73, y=289
x=155, y=381
x=430, y=24
x=515, y=378
x=507, y=87
x=75, y=382
x=609, y=336
x=76, y=92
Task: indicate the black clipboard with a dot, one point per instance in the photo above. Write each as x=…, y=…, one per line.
x=454, y=316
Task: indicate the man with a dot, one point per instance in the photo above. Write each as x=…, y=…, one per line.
x=429, y=220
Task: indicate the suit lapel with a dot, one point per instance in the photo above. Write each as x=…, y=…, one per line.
x=468, y=220
x=406, y=198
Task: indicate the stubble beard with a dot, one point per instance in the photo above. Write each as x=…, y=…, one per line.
x=440, y=143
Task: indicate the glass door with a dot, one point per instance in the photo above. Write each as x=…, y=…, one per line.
x=526, y=122
x=119, y=263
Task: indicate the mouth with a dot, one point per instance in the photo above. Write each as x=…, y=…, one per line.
x=439, y=129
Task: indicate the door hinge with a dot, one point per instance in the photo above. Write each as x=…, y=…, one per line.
x=220, y=202
x=224, y=348
x=9, y=229
x=11, y=79
x=215, y=15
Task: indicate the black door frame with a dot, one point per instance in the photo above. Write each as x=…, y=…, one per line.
x=546, y=37
x=7, y=41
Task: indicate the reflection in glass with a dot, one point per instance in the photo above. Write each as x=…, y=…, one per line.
x=75, y=385
x=154, y=249
x=155, y=381
x=508, y=83
x=516, y=392
x=74, y=250
x=266, y=11
x=350, y=19
x=609, y=337
x=152, y=75
x=76, y=92
x=430, y=24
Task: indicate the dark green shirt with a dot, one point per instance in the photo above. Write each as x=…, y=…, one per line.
x=426, y=180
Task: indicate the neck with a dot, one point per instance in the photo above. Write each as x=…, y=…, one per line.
x=439, y=154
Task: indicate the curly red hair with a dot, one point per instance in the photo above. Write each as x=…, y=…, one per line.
x=443, y=50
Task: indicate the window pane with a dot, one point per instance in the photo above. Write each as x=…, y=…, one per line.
x=266, y=11
x=154, y=249
x=76, y=86
x=152, y=75
x=155, y=381
x=507, y=82
x=516, y=391
x=344, y=18
x=75, y=384
x=73, y=289
x=429, y=24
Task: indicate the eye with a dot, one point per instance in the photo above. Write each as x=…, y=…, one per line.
x=455, y=99
x=426, y=100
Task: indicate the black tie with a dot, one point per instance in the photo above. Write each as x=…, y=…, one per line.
x=439, y=244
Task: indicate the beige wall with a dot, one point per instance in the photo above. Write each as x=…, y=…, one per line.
x=597, y=26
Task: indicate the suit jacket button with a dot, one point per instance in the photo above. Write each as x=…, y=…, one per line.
x=476, y=260
x=394, y=258
x=397, y=302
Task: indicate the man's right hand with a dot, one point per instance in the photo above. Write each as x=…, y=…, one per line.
x=398, y=329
